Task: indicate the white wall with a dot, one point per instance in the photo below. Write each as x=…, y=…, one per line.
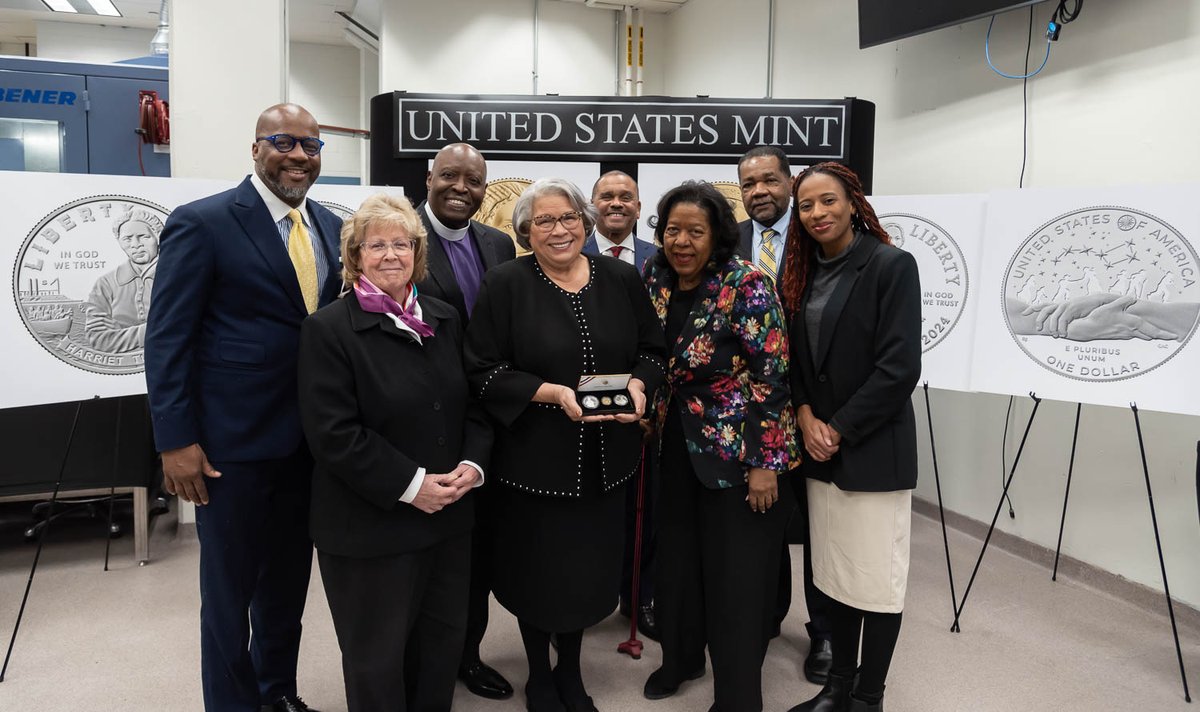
x=1115, y=105
x=707, y=50
x=368, y=82
x=1112, y=107
x=17, y=49
x=325, y=80
x=222, y=74
x=72, y=42
x=466, y=46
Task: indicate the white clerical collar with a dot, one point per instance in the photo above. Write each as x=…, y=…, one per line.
x=446, y=233
x=278, y=209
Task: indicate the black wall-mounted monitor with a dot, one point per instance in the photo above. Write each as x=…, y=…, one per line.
x=881, y=21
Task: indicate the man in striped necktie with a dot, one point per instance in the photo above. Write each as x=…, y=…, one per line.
x=237, y=274
x=766, y=181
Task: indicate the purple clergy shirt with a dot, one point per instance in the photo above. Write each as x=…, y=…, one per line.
x=467, y=266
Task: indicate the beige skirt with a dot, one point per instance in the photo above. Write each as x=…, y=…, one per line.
x=860, y=545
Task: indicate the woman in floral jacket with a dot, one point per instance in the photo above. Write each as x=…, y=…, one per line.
x=726, y=430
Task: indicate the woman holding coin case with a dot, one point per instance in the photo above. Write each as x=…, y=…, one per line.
x=541, y=322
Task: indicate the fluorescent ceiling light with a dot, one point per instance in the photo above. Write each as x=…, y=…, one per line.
x=104, y=7
x=59, y=6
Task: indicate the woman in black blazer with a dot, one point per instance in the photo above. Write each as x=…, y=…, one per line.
x=541, y=322
x=854, y=302
x=398, y=445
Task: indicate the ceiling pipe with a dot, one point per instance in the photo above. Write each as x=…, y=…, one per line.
x=639, y=67
x=536, y=21
x=616, y=52
x=770, y=49
x=627, y=90
x=161, y=44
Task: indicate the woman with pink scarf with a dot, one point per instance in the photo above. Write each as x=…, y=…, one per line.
x=398, y=445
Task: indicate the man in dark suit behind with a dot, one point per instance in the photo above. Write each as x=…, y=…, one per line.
x=616, y=198
x=460, y=251
x=237, y=273
x=619, y=205
x=765, y=178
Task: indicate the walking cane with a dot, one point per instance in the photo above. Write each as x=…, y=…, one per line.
x=633, y=646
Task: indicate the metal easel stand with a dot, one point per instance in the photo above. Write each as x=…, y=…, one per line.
x=1158, y=544
x=1066, y=495
x=941, y=511
x=954, y=628
x=41, y=539
x=1153, y=519
x=112, y=492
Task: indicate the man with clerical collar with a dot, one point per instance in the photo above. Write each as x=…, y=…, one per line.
x=616, y=198
x=460, y=250
x=766, y=181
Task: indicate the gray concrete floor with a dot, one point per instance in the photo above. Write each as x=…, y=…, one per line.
x=127, y=639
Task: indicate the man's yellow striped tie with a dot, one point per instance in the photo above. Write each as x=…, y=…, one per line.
x=301, y=251
x=766, y=254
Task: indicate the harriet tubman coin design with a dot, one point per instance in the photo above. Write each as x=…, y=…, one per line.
x=943, y=271
x=621, y=399
x=591, y=402
x=84, y=278
x=606, y=400
x=1102, y=294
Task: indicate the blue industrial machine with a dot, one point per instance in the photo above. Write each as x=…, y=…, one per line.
x=71, y=117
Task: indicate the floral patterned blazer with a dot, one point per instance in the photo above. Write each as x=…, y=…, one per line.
x=728, y=375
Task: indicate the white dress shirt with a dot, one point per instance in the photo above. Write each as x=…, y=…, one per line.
x=627, y=252
x=780, y=227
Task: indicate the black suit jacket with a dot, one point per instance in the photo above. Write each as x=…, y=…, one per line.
x=376, y=405
x=745, y=250
x=224, y=325
x=494, y=248
x=868, y=362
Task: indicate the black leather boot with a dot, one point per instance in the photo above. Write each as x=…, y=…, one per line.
x=857, y=705
x=834, y=697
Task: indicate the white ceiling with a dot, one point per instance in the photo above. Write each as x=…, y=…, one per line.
x=309, y=20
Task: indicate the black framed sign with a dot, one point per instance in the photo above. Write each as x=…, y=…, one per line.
x=408, y=127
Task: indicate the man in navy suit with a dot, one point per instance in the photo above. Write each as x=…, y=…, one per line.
x=616, y=199
x=766, y=181
x=237, y=273
x=460, y=251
